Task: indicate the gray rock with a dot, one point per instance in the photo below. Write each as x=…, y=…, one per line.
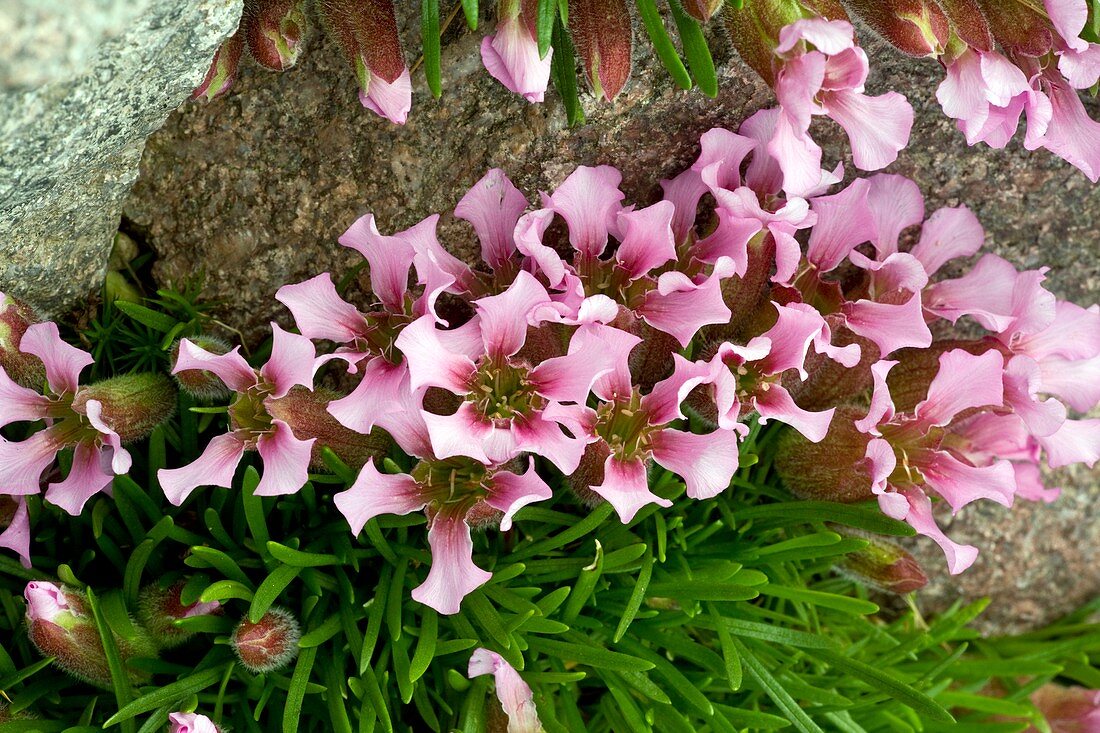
x=253, y=190
x=70, y=149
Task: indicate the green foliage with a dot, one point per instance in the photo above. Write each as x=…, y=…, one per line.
x=717, y=615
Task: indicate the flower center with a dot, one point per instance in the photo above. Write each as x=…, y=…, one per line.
x=624, y=426
x=502, y=391
x=452, y=481
x=248, y=415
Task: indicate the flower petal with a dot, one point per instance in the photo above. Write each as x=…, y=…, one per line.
x=776, y=403
x=286, y=461
x=514, y=694
x=320, y=312
x=430, y=363
x=662, y=404
x=391, y=100
x=881, y=408
x=86, y=478
x=511, y=56
x=964, y=380
x=505, y=317
x=888, y=325
x=949, y=233
x=959, y=484
x=509, y=492
x=453, y=574
x=63, y=361
x=543, y=436
x=215, y=467
x=17, y=535
x=626, y=487
x=877, y=127
x=292, y=363
x=493, y=206
x=19, y=404
x=589, y=200
x=707, y=463
x=593, y=351
x=375, y=493
x=230, y=367
x=680, y=307
x=895, y=203
x=22, y=463
x=466, y=433
x=959, y=557
x=1077, y=441
x=1022, y=384
x=647, y=241
x=388, y=257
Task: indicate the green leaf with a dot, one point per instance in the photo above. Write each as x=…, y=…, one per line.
x=270, y=590
x=862, y=516
x=563, y=69
x=254, y=507
x=591, y=655
x=583, y=587
x=662, y=43
x=469, y=9
x=296, y=692
x=702, y=591
x=318, y=636
x=636, y=596
x=544, y=24
x=170, y=694
x=120, y=679
x=836, y=602
x=429, y=38
x=923, y=705
x=425, y=647
x=223, y=590
x=695, y=49
x=300, y=559
x=773, y=689
x=146, y=316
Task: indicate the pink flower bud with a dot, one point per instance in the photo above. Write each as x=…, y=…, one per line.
x=603, y=35
x=159, y=608
x=754, y=29
x=883, y=565
x=1068, y=709
x=24, y=369
x=830, y=470
x=915, y=27
x=132, y=405
x=274, y=31
x=307, y=414
x=60, y=625
x=191, y=723
x=223, y=69
x=270, y=643
x=200, y=383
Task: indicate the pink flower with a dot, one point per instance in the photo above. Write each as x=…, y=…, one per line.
x=1067, y=709
x=190, y=723
x=511, y=54
x=822, y=72
x=48, y=602
x=16, y=534
x=73, y=422
x=454, y=492
x=507, y=399
x=285, y=458
x=513, y=693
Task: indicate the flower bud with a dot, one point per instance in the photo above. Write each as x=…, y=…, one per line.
x=602, y=33
x=882, y=565
x=1018, y=28
x=589, y=473
x=200, y=383
x=117, y=287
x=1068, y=709
x=830, y=382
x=159, y=608
x=754, y=29
x=61, y=626
x=274, y=31
x=307, y=415
x=132, y=404
x=969, y=23
x=915, y=27
x=23, y=369
x=831, y=470
x=191, y=723
x=270, y=643
x=702, y=10
x=223, y=69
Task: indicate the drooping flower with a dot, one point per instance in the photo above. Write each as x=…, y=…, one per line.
x=514, y=694
x=93, y=420
x=274, y=31
x=191, y=723
x=511, y=54
x=252, y=425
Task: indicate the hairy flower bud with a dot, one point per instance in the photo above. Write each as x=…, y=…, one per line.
x=589, y=473
x=159, y=608
x=830, y=470
x=223, y=71
x=915, y=27
x=306, y=412
x=24, y=369
x=882, y=565
x=200, y=383
x=270, y=643
x=603, y=35
x=969, y=23
x=274, y=30
x=1018, y=27
x=702, y=9
x=61, y=626
x=133, y=404
x=191, y=723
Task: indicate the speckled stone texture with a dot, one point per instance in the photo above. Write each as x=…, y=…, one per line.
x=69, y=150
x=254, y=189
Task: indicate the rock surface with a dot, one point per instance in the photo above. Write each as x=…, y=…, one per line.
x=71, y=148
x=254, y=189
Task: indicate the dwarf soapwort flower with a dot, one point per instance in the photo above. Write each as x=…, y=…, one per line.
x=511, y=55
x=514, y=694
x=367, y=33
x=191, y=723
x=1067, y=709
x=94, y=420
x=252, y=425
x=15, y=524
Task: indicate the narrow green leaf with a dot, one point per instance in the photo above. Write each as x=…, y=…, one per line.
x=272, y=587
x=563, y=69
x=429, y=38
x=863, y=516
x=662, y=43
x=298, y=558
x=328, y=629
x=120, y=678
x=923, y=705
x=470, y=10
x=836, y=602
x=636, y=596
x=544, y=24
x=695, y=49
x=223, y=590
x=209, y=557
x=147, y=316
x=773, y=689
x=254, y=508
x=425, y=647
x=729, y=651
x=296, y=692
x=169, y=694
x=592, y=655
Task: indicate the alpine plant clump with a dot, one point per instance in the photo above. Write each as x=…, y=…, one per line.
x=1004, y=60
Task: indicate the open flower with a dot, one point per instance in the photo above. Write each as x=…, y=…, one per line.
x=252, y=426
